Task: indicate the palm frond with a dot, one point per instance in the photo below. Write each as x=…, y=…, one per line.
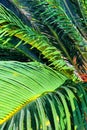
x=16, y=10
x=10, y=28
x=51, y=10
x=54, y=19
x=34, y=96
x=31, y=54
x=21, y=83
x=74, y=11
x=65, y=108
x=83, y=8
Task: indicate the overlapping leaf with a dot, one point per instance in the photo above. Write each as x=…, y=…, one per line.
x=65, y=108
x=21, y=83
x=28, y=99
x=10, y=28
x=51, y=19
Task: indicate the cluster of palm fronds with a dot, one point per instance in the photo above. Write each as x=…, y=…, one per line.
x=47, y=93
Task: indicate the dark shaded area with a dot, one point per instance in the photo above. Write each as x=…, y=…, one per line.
x=12, y=54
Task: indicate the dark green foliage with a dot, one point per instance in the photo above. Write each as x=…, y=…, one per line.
x=10, y=53
x=48, y=95
x=46, y=16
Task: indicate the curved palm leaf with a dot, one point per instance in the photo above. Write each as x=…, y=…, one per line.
x=83, y=8
x=74, y=11
x=17, y=11
x=21, y=83
x=49, y=14
x=32, y=96
x=24, y=48
x=10, y=28
x=59, y=110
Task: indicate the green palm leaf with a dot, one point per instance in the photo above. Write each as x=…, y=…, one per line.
x=61, y=109
x=74, y=10
x=21, y=83
x=51, y=19
x=34, y=96
x=10, y=28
